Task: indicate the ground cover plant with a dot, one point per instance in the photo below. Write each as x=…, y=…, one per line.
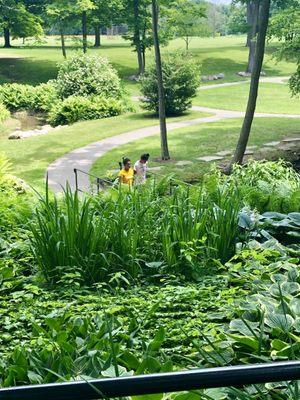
x=200, y=312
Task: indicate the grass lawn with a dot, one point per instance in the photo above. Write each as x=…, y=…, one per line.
x=190, y=143
x=273, y=98
x=31, y=157
x=38, y=63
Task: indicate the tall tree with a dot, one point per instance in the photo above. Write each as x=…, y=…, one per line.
x=61, y=13
x=285, y=27
x=252, y=22
x=137, y=16
x=160, y=85
x=185, y=17
x=17, y=21
x=264, y=13
x=82, y=7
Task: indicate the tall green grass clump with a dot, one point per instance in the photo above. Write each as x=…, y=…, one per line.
x=126, y=232
x=268, y=186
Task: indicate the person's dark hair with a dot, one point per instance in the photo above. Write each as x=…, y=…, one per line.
x=125, y=161
x=145, y=157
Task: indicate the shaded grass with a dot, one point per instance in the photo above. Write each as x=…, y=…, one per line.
x=31, y=157
x=273, y=98
x=193, y=142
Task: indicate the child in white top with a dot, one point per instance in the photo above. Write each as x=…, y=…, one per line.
x=140, y=169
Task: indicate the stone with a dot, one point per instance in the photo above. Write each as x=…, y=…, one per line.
x=224, y=153
x=251, y=147
x=221, y=76
x=155, y=168
x=272, y=144
x=249, y=152
x=215, y=77
x=244, y=74
x=248, y=74
x=290, y=140
x=183, y=163
x=209, y=158
x=133, y=78
x=14, y=136
x=204, y=78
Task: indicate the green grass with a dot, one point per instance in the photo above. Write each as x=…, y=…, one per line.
x=190, y=143
x=31, y=157
x=273, y=98
x=38, y=63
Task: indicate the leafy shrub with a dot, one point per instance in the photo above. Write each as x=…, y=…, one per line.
x=45, y=96
x=264, y=185
x=181, y=77
x=85, y=75
x=4, y=113
x=16, y=96
x=77, y=108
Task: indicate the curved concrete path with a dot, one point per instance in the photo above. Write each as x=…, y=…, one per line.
x=62, y=170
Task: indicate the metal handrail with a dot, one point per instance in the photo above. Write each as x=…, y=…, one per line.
x=158, y=383
x=97, y=183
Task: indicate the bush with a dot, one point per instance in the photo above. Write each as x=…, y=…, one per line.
x=76, y=108
x=88, y=75
x=4, y=113
x=181, y=77
x=16, y=96
x=45, y=95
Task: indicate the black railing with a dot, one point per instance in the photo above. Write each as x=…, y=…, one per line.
x=233, y=376
x=100, y=183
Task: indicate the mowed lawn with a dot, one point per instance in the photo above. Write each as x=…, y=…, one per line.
x=30, y=157
x=272, y=98
x=38, y=63
x=190, y=143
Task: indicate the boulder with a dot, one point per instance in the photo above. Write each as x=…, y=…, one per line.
x=221, y=76
x=15, y=135
x=183, y=163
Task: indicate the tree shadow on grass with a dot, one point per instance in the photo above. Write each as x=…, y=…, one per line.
x=26, y=70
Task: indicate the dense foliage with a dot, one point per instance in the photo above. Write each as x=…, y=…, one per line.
x=87, y=88
x=17, y=96
x=78, y=108
x=4, y=113
x=181, y=76
x=145, y=314
x=85, y=75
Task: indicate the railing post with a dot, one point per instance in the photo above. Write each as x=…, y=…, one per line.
x=76, y=179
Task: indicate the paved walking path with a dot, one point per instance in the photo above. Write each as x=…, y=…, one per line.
x=62, y=170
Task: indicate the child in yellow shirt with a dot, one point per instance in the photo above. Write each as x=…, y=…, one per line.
x=126, y=175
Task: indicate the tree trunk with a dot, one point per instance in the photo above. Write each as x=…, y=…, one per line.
x=258, y=62
x=160, y=86
x=62, y=41
x=97, y=36
x=249, y=23
x=6, y=33
x=137, y=36
x=251, y=38
x=84, y=31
